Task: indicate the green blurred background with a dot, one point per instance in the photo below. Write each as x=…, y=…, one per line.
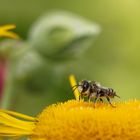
x=114, y=57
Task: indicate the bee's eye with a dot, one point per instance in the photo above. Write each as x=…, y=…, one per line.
x=85, y=85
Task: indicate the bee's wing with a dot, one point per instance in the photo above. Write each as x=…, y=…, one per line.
x=95, y=83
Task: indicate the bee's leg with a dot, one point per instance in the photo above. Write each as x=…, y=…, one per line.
x=108, y=99
x=96, y=98
x=81, y=97
x=89, y=97
x=101, y=100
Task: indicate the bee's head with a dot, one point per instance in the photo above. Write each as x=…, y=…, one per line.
x=83, y=86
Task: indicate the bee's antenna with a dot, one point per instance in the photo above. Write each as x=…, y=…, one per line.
x=75, y=87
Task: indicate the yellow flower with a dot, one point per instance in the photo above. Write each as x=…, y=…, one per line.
x=4, y=31
x=74, y=120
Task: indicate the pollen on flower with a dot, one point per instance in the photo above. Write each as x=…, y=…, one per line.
x=75, y=120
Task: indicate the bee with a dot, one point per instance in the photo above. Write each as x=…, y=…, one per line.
x=93, y=89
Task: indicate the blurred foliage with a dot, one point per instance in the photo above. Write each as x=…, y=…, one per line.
x=114, y=59
x=33, y=72
x=66, y=35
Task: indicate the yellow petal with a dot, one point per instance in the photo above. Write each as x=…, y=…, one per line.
x=74, y=83
x=12, y=126
x=19, y=115
x=4, y=31
x=7, y=27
